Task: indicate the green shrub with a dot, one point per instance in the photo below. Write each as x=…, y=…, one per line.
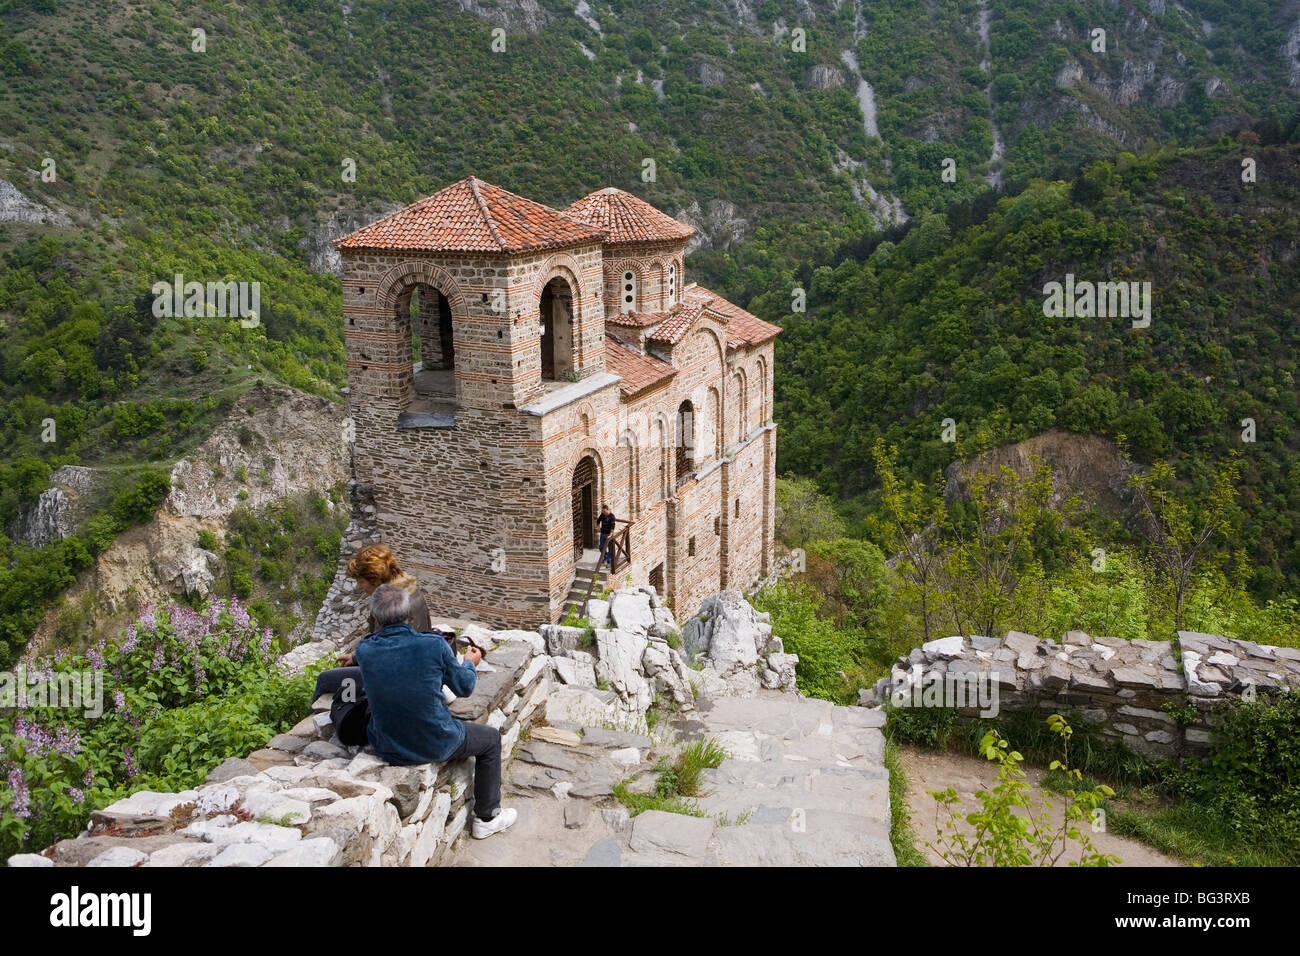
x=1251, y=780
x=182, y=690
x=825, y=649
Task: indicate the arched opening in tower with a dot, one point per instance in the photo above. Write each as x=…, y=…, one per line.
x=556, y=308
x=427, y=313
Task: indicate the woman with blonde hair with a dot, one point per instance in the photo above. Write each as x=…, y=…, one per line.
x=375, y=565
x=370, y=567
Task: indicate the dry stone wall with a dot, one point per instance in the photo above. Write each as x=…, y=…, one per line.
x=1157, y=698
x=306, y=800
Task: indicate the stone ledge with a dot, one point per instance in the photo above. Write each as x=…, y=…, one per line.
x=1123, y=686
x=314, y=802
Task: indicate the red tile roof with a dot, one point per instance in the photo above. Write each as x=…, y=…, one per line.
x=625, y=218
x=682, y=317
x=638, y=320
x=471, y=216
x=743, y=328
x=639, y=372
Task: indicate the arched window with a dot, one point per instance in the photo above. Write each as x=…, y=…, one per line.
x=425, y=313
x=742, y=407
x=672, y=285
x=685, y=441
x=763, y=411
x=664, y=447
x=633, y=477
x=629, y=291
x=556, y=312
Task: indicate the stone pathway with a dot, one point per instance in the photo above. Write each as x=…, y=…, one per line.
x=929, y=770
x=803, y=785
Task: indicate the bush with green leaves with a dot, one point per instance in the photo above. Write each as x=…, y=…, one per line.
x=825, y=649
x=182, y=690
x=1011, y=827
x=1250, y=782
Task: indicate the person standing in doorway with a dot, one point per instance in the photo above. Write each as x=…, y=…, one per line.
x=605, y=523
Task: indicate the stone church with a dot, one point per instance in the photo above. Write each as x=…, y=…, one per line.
x=513, y=367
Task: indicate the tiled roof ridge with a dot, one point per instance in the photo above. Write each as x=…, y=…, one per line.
x=627, y=218
x=487, y=215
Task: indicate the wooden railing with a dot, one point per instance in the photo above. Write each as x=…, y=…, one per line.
x=620, y=546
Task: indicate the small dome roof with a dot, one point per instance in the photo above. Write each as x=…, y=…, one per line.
x=625, y=218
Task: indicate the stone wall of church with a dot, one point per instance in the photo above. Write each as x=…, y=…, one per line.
x=478, y=503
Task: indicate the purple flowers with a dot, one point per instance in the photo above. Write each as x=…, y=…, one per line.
x=22, y=801
x=169, y=657
x=39, y=742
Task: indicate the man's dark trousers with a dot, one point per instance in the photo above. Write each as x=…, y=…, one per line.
x=483, y=743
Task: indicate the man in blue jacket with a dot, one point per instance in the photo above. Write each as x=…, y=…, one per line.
x=403, y=672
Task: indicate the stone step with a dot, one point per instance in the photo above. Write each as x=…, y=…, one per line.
x=804, y=784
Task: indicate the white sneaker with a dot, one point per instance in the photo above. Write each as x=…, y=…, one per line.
x=502, y=819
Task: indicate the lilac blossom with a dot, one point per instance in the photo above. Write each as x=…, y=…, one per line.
x=22, y=800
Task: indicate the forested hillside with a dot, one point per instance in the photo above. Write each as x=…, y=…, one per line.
x=231, y=141
x=948, y=323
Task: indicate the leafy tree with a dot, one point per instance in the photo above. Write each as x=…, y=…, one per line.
x=1181, y=528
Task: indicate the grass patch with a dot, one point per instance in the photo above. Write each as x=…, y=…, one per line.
x=678, y=783
x=900, y=814
x=1196, y=834
x=637, y=803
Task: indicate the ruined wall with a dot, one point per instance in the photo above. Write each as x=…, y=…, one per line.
x=1157, y=698
x=305, y=800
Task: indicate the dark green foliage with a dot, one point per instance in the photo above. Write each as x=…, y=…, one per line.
x=182, y=690
x=955, y=329
x=1251, y=783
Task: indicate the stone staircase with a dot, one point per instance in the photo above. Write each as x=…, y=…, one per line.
x=578, y=590
x=804, y=785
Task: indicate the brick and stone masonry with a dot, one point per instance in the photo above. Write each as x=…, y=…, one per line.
x=548, y=338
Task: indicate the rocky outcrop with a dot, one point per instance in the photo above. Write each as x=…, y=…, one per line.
x=821, y=77
x=719, y=226
x=306, y=800
x=1157, y=698
x=631, y=654
x=15, y=207
x=525, y=16
x=275, y=443
x=59, y=509
x=732, y=638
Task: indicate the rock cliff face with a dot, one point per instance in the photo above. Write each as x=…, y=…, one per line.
x=59, y=509
x=15, y=207
x=292, y=443
x=1087, y=465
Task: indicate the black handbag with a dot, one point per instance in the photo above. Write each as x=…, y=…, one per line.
x=350, y=719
